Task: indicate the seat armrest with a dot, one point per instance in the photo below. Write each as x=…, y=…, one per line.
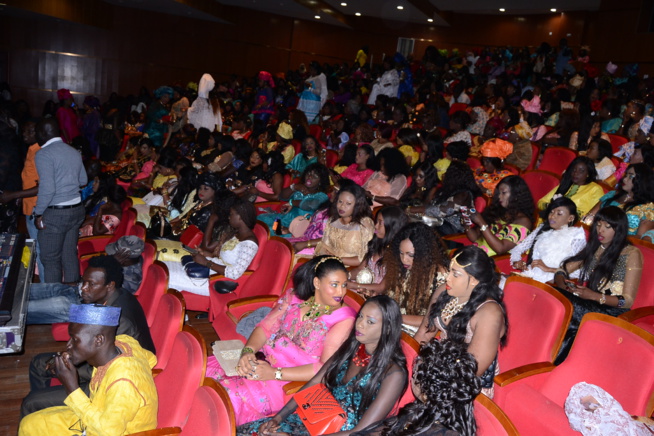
x=636, y=314
x=159, y=432
x=292, y=387
x=237, y=309
x=522, y=372
x=92, y=244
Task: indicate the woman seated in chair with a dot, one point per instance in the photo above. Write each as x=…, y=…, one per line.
x=304, y=198
x=416, y=265
x=366, y=376
x=608, y=270
x=507, y=220
x=369, y=277
x=311, y=153
x=578, y=184
x=460, y=310
x=108, y=216
x=387, y=185
x=175, y=202
x=363, y=167
x=552, y=242
x=247, y=175
x=424, y=186
x=229, y=253
x=493, y=152
x=208, y=187
x=304, y=329
x=445, y=384
x=459, y=190
x=271, y=184
x=600, y=152
x=350, y=226
x=634, y=195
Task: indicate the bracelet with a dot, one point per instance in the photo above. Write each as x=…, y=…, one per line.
x=278, y=374
x=247, y=350
x=562, y=271
x=621, y=300
x=209, y=263
x=483, y=228
x=308, y=244
x=602, y=299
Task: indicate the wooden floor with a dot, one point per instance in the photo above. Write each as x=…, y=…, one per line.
x=14, y=378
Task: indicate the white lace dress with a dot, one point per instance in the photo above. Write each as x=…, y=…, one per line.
x=235, y=256
x=552, y=247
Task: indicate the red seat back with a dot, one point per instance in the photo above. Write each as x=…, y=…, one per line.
x=480, y=203
x=211, y=413
x=354, y=300
x=474, y=162
x=168, y=321
x=535, y=152
x=645, y=295
x=127, y=221
x=331, y=158
x=273, y=270
x=534, y=310
x=262, y=233
x=491, y=420
x=617, y=141
x=315, y=130
x=540, y=183
x=183, y=374
x=287, y=180
x=297, y=145
x=153, y=287
x=603, y=345
x=557, y=159
x=411, y=348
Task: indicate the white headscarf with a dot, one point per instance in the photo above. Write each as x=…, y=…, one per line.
x=206, y=85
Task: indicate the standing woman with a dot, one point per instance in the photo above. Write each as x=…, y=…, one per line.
x=350, y=226
x=366, y=376
x=608, y=268
x=67, y=116
x=415, y=267
x=264, y=99
x=314, y=95
x=507, y=220
x=304, y=329
x=469, y=310
x=205, y=110
x=155, y=127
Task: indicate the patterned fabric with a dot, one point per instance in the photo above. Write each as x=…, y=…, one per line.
x=488, y=182
x=347, y=240
x=635, y=215
x=291, y=341
x=584, y=196
x=460, y=136
x=123, y=399
x=513, y=232
x=347, y=396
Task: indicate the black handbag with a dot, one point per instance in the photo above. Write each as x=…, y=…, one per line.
x=193, y=269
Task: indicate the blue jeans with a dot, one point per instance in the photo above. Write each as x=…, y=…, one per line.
x=50, y=302
x=34, y=232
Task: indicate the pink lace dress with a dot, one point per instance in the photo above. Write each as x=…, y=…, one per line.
x=358, y=177
x=291, y=342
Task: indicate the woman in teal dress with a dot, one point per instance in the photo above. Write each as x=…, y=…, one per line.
x=304, y=198
x=367, y=375
x=155, y=127
x=311, y=153
x=634, y=195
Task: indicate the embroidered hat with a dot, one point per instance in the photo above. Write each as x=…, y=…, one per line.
x=496, y=148
x=94, y=314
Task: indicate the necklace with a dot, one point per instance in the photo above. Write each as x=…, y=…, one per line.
x=451, y=308
x=315, y=309
x=361, y=358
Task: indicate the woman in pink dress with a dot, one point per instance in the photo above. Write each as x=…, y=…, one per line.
x=305, y=327
x=67, y=116
x=363, y=167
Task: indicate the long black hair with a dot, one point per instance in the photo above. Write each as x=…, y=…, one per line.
x=394, y=162
x=188, y=181
x=319, y=267
x=643, y=186
x=431, y=180
x=566, y=180
x=361, y=207
x=388, y=352
x=275, y=162
x=557, y=202
x=482, y=268
x=446, y=375
x=520, y=201
x=458, y=177
x=394, y=219
x=617, y=219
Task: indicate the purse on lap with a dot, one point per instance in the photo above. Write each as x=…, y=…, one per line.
x=319, y=411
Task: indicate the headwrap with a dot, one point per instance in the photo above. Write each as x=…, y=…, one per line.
x=285, y=130
x=266, y=77
x=496, y=148
x=207, y=83
x=163, y=90
x=523, y=130
x=92, y=101
x=532, y=106
x=211, y=180
x=64, y=94
x=611, y=68
x=646, y=124
x=496, y=123
x=133, y=245
x=94, y=314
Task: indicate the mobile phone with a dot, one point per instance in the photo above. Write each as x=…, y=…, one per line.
x=189, y=249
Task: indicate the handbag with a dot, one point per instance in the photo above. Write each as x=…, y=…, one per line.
x=193, y=269
x=319, y=411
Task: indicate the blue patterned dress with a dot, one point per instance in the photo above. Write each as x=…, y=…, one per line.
x=348, y=396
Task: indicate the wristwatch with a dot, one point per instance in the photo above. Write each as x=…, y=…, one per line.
x=278, y=374
x=483, y=228
x=602, y=299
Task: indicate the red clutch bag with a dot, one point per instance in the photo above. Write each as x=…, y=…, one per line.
x=319, y=410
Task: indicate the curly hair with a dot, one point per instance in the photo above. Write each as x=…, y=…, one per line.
x=445, y=374
x=566, y=180
x=412, y=291
x=458, y=177
x=321, y=171
x=394, y=162
x=431, y=180
x=482, y=268
x=388, y=352
x=361, y=208
x=520, y=202
x=349, y=155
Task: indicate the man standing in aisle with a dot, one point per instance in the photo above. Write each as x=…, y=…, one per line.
x=59, y=211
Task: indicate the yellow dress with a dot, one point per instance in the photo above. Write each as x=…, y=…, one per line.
x=584, y=196
x=123, y=399
x=346, y=240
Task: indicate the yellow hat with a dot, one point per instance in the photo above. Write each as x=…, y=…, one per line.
x=285, y=130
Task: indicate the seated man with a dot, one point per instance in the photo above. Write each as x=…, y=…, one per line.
x=101, y=284
x=123, y=397
x=49, y=302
